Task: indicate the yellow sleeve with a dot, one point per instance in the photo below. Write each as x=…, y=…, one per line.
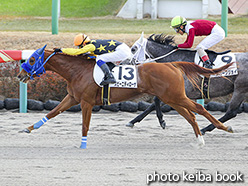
x=73, y=51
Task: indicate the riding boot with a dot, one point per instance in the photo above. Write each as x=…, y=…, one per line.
x=208, y=64
x=108, y=76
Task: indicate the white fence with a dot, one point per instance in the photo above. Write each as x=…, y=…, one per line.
x=170, y=8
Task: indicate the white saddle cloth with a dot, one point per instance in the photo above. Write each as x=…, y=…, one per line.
x=125, y=75
x=220, y=61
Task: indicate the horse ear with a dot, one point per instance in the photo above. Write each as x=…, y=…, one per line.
x=40, y=51
x=141, y=38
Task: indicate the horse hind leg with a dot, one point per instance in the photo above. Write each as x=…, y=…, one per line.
x=159, y=112
x=231, y=112
x=190, y=117
x=195, y=107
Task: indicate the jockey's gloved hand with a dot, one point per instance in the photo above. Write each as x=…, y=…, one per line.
x=57, y=50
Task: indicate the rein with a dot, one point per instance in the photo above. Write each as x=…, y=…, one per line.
x=41, y=67
x=150, y=56
x=160, y=57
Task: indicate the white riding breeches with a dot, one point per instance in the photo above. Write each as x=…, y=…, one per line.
x=217, y=34
x=121, y=53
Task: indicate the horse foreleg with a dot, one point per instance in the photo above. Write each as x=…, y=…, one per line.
x=141, y=116
x=65, y=104
x=232, y=111
x=190, y=117
x=154, y=106
x=86, y=114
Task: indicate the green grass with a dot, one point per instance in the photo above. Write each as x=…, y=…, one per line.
x=90, y=8
x=25, y=8
x=69, y=8
x=80, y=16
x=92, y=25
x=237, y=25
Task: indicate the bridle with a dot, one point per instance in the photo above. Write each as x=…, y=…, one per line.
x=160, y=57
x=150, y=58
x=38, y=67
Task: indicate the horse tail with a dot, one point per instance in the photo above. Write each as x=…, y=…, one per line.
x=192, y=71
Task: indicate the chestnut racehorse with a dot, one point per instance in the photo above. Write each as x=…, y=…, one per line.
x=164, y=80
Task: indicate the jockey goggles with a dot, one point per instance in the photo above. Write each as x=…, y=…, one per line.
x=81, y=45
x=178, y=28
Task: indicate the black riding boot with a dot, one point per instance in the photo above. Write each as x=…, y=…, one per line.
x=108, y=76
x=208, y=64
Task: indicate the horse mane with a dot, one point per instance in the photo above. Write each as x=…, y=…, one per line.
x=162, y=39
x=83, y=56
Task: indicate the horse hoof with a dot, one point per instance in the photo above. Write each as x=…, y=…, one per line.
x=130, y=125
x=229, y=129
x=83, y=146
x=163, y=124
x=201, y=141
x=25, y=131
x=202, y=132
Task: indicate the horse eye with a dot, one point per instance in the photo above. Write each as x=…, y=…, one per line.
x=133, y=50
x=32, y=61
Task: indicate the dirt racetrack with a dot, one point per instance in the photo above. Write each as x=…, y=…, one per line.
x=117, y=155
x=34, y=40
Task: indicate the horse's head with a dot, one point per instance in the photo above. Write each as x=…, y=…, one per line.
x=155, y=46
x=158, y=45
x=33, y=67
x=139, y=49
x=163, y=39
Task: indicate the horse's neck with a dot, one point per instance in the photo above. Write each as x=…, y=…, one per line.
x=158, y=50
x=180, y=55
x=68, y=66
x=184, y=55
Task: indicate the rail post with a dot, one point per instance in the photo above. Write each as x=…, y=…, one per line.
x=200, y=101
x=23, y=103
x=224, y=15
x=55, y=16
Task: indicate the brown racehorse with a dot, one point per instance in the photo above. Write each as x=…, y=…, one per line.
x=164, y=80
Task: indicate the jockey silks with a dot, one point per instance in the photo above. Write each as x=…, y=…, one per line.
x=104, y=46
x=207, y=28
x=97, y=47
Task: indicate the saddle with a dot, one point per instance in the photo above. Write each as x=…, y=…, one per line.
x=220, y=59
x=212, y=54
x=125, y=75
